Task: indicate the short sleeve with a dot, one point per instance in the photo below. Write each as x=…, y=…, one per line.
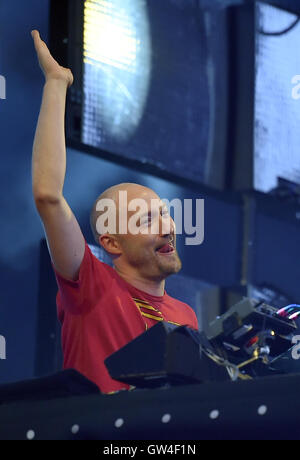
x=80, y=296
x=193, y=320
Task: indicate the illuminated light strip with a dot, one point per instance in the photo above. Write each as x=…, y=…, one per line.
x=102, y=56
x=117, y=68
x=98, y=64
x=93, y=21
x=100, y=60
x=101, y=12
x=125, y=63
x=88, y=60
x=100, y=30
x=99, y=15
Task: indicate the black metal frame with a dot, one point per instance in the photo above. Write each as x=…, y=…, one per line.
x=231, y=88
x=66, y=45
x=288, y=5
x=217, y=26
x=241, y=98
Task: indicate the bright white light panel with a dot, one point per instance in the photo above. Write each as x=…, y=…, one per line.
x=145, y=90
x=277, y=112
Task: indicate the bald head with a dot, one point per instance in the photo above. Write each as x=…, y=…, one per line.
x=134, y=191
x=132, y=224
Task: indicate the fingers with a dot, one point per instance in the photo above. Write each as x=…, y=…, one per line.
x=35, y=35
x=48, y=64
x=37, y=38
x=40, y=46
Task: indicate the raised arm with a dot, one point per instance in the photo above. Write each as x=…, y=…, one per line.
x=64, y=237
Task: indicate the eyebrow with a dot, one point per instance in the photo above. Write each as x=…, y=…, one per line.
x=161, y=207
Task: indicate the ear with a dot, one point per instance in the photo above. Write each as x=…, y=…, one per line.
x=110, y=244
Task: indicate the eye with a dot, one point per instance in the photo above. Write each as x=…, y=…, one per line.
x=145, y=220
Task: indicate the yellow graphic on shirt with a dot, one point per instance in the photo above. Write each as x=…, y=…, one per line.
x=148, y=311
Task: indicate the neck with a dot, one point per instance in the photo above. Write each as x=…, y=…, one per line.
x=152, y=287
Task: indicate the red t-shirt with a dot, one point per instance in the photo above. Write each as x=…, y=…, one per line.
x=101, y=312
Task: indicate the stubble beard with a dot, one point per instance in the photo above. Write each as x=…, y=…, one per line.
x=169, y=264
x=158, y=267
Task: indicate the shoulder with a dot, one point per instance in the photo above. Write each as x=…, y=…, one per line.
x=184, y=312
x=94, y=280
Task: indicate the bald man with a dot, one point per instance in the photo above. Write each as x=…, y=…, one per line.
x=100, y=308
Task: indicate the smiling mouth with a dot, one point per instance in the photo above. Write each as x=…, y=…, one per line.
x=166, y=249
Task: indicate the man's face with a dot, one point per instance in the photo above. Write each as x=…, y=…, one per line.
x=151, y=252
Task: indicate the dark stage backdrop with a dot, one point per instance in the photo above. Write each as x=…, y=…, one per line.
x=87, y=177
x=217, y=261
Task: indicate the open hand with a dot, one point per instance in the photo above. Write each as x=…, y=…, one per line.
x=49, y=66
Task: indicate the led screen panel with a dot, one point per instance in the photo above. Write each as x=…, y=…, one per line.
x=145, y=85
x=277, y=98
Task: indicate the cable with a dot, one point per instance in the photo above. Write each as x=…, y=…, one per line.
x=280, y=33
x=289, y=310
x=248, y=362
x=231, y=368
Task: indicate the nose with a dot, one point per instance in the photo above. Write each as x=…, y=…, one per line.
x=166, y=225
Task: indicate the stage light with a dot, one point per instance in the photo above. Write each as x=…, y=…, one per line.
x=277, y=109
x=117, y=68
x=145, y=92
